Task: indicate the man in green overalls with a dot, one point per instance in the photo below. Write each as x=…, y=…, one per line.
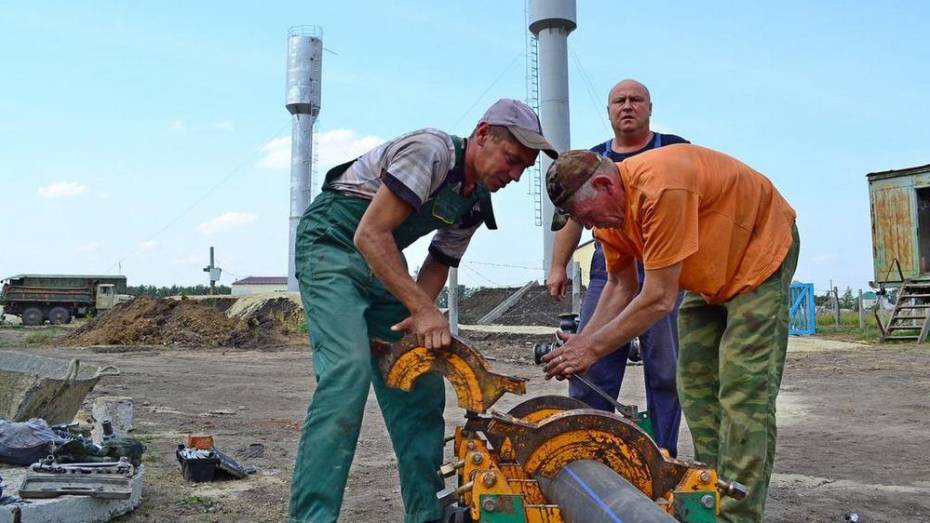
x=355, y=286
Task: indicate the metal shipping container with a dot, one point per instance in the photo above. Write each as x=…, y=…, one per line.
x=900, y=207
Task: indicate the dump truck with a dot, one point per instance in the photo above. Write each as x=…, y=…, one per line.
x=57, y=298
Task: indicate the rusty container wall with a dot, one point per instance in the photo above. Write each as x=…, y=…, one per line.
x=898, y=210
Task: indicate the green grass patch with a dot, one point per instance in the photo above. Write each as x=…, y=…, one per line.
x=195, y=501
x=849, y=329
x=44, y=336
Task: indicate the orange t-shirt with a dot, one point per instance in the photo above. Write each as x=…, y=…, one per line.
x=725, y=222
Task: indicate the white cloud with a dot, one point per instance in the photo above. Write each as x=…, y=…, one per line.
x=177, y=125
x=148, y=245
x=61, y=190
x=225, y=124
x=88, y=247
x=276, y=154
x=226, y=221
x=333, y=147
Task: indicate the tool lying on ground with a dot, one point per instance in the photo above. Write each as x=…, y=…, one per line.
x=79, y=449
x=200, y=460
x=49, y=478
x=550, y=459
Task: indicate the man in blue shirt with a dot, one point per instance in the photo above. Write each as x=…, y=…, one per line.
x=629, y=108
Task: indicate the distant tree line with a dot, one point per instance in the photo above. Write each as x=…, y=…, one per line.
x=175, y=290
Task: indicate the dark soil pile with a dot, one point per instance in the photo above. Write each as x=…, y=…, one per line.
x=535, y=307
x=184, y=322
x=471, y=309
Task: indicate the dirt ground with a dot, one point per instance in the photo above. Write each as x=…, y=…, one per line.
x=853, y=427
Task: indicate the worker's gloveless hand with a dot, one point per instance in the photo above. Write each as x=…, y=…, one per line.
x=575, y=356
x=557, y=283
x=430, y=327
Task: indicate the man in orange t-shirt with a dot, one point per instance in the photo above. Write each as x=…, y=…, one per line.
x=705, y=222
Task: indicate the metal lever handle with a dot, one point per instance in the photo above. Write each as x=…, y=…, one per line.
x=627, y=411
x=449, y=469
x=732, y=489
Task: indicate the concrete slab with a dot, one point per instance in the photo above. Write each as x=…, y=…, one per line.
x=511, y=329
x=64, y=509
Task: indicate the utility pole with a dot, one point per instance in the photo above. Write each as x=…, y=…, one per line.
x=213, y=271
x=836, y=308
x=453, y=300
x=576, y=287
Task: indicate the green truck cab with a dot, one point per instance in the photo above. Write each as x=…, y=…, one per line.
x=57, y=298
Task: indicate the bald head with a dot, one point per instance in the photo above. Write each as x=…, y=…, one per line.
x=629, y=107
x=629, y=85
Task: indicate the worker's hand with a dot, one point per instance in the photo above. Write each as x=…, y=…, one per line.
x=575, y=356
x=430, y=327
x=557, y=283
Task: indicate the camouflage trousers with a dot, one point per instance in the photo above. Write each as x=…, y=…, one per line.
x=730, y=362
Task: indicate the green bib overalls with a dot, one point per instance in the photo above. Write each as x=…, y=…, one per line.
x=346, y=305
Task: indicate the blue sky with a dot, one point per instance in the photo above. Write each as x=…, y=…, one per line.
x=134, y=136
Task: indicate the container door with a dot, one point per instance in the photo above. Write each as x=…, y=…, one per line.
x=105, y=296
x=893, y=228
x=923, y=229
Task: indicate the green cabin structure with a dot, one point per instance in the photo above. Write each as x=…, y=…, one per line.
x=900, y=208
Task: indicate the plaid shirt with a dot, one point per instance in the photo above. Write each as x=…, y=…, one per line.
x=414, y=166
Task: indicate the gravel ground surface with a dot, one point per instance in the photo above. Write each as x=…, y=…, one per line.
x=853, y=426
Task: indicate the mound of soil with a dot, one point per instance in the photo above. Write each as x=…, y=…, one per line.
x=183, y=322
x=535, y=307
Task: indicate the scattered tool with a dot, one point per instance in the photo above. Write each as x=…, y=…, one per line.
x=49, y=478
x=97, y=467
x=200, y=460
x=537, y=463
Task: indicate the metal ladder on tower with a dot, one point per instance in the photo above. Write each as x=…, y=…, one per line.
x=911, y=317
x=532, y=99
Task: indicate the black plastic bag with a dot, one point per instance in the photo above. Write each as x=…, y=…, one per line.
x=27, y=442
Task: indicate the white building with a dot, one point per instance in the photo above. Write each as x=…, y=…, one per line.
x=259, y=284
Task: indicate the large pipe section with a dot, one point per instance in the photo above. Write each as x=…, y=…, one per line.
x=304, y=75
x=588, y=491
x=551, y=21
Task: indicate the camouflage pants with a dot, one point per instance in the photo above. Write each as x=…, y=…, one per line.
x=730, y=362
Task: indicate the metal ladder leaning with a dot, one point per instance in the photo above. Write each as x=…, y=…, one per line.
x=911, y=313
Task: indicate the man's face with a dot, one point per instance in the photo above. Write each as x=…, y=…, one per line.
x=605, y=208
x=501, y=161
x=629, y=108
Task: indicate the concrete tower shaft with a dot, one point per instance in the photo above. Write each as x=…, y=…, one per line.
x=304, y=77
x=551, y=21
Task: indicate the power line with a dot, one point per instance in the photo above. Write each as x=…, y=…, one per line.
x=203, y=197
x=482, y=276
x=505, y=265
x=481, y=96
x=589, y=88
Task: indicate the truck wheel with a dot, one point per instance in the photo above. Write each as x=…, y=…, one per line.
x=33, y=316
x=59, y=316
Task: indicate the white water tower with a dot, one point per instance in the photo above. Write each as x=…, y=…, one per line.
x=551, y=21
x=304, y=77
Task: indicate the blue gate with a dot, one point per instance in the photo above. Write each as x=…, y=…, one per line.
x=801, y=318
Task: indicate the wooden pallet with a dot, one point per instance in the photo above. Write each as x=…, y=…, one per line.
x=910, y=320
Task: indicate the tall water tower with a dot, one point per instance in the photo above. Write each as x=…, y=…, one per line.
x=304, y=76
x=551, y=21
